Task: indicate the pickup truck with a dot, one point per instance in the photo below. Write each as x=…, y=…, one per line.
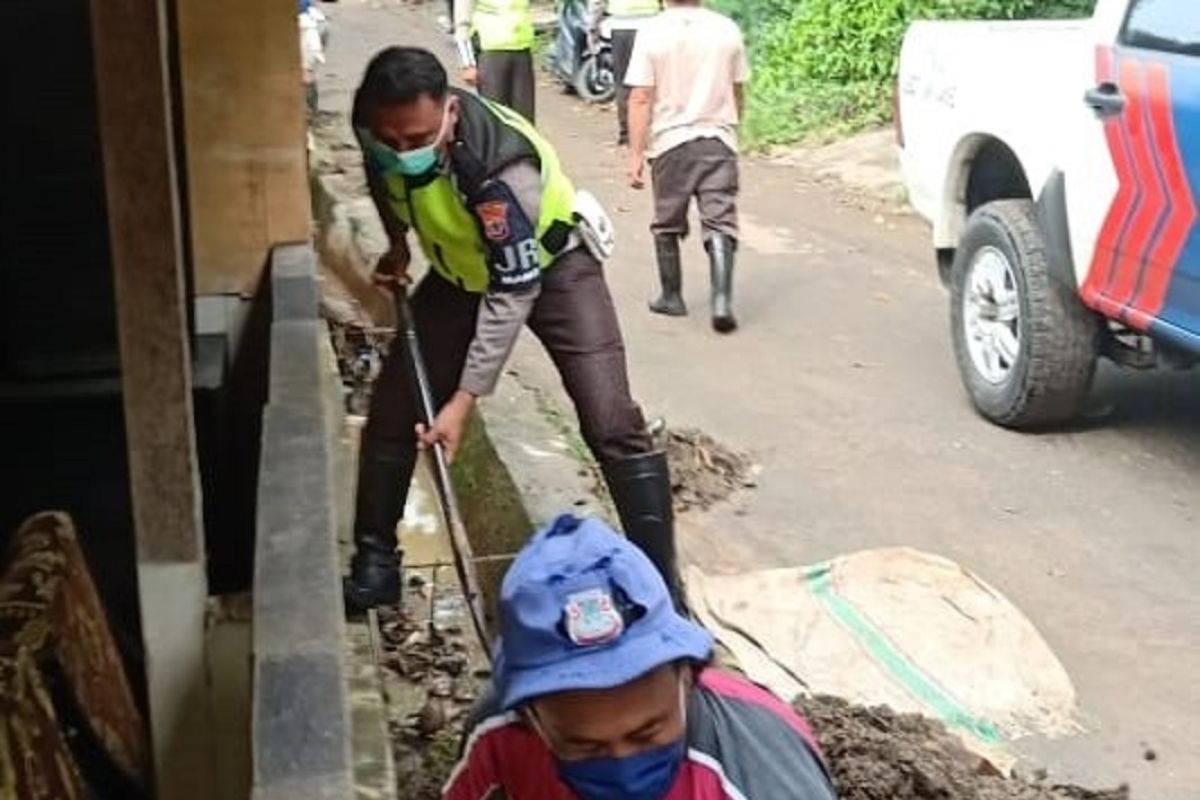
x=1059, y=165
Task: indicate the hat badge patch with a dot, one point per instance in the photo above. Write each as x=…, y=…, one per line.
x=592, y=618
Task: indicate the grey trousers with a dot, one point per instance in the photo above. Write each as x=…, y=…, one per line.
x=622, y=50
x=702, y=168
x=506, y=76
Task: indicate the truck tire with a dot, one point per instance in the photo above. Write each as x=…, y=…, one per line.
x=1026, y=345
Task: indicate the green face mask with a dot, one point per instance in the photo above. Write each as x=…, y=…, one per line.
x=410, y=163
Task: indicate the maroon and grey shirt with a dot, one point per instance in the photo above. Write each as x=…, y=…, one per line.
x=743, y=743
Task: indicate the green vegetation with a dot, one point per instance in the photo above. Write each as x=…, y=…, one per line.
x=827, y=67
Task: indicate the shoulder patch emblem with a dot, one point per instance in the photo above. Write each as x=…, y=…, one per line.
x=493, y=214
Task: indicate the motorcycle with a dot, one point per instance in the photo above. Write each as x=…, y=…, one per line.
x=581, y=61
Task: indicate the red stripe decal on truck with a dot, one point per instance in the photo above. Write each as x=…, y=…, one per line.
x=1165, y=250
x=1106, y=256
x=1152, y=194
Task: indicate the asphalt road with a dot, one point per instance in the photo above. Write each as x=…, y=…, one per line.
x=842, y=385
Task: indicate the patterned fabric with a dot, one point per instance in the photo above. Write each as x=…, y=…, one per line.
x=51, y=620
x=35, y=761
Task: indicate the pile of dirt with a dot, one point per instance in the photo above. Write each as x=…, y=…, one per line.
x=879, y=754
x=702, y=471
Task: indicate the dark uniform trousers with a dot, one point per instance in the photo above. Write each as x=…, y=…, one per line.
x=576, y=322
x=506, y=76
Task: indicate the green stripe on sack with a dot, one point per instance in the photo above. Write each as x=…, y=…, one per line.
x=909, y=675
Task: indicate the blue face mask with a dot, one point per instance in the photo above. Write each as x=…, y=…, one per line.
x=648, y=775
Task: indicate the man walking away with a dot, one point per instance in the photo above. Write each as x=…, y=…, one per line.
x=312, y=50
x=625, y=17
x=687, y=75
x=504, y=72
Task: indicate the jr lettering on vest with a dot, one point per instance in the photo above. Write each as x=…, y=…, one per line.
x=521, y=266
x=510, y=238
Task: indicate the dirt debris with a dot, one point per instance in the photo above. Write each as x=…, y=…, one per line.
x=879, y=754
x=704, y=472
x=360, y=352
x=435, y=661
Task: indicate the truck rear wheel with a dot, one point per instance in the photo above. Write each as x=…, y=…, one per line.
x=1026, y=346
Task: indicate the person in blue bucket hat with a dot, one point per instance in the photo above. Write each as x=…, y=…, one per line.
x=603, y=691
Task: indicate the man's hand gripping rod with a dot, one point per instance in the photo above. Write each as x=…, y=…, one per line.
x=464, y=562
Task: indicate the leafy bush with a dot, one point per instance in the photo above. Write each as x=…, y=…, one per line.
x=826, y=66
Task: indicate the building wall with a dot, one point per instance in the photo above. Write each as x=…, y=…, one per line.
x=56, y=295
x=243, y=135
x=62, y=426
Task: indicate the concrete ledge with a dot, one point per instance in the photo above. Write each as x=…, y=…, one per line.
x=293, y=282
x=296, y=577
x=296, y=377
x=301, y=719
x=538, y=441
x=293, y=700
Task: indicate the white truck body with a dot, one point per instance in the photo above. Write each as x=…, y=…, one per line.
x=953, y=74
x=1096, y=122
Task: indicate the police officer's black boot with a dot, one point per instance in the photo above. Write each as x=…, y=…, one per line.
x=384, y=472
x=641, y=489
x=720, y=258
x=670, y=273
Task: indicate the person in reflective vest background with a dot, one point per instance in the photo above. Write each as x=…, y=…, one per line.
x=504, y=70
x=625, y=17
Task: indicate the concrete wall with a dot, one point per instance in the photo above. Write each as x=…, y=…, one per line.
x=243, y=134
x=301, y=726
x=244, y=182
x=61, y=419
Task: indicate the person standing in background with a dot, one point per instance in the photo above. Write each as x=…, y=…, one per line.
x=313, y=33
x=504, y=71
x=446, y=21
x=625, y=17
x=687, y=74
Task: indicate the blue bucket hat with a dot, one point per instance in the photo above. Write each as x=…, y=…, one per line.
x=583, y=608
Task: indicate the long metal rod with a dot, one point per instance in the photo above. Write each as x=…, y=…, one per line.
x=464, y=561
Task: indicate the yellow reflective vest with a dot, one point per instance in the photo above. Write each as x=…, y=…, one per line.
x=438, y=213
x=503, y=24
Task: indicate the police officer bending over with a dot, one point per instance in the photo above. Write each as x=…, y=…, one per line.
x=485, y=196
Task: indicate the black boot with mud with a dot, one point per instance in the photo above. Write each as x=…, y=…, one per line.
x=641, y=490
x=384, y=471
x=374, y=581
x=721, y=249
x=670, y=274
